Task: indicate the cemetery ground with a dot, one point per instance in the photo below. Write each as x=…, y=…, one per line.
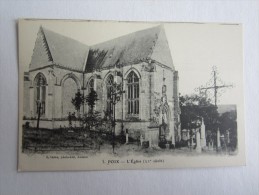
x=76, y=141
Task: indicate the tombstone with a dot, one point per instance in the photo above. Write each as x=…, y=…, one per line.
x=211, y=147
x=188, y=134
x=218, y=139
x=192, y=137
x=141, y=140
x=127, y=136
x=179, y=133
x=184, y=134
x=203, y=136
x=187, y=137
x=198, y=142
x=228, y=138
x=173, y=138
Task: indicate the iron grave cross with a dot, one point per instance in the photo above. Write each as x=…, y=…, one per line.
x=215, y=87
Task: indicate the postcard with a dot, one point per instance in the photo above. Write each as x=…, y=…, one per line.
x=103, y=95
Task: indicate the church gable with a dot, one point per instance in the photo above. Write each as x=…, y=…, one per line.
x=66, y=52
x=41, y=55
x=161, y=51
x=52, y=48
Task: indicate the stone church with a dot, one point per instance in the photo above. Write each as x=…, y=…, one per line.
x=140, y=61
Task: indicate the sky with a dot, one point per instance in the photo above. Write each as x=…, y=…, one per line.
x=195, y=48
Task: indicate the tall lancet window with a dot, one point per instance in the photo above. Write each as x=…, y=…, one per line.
x=91, y=85
x=40, y=88
x=133, y=94
x=109, y=83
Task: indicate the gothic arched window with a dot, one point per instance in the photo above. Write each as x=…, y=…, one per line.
x=133, y=94
x=109, y=86
x=40, y=96
x=91, y=85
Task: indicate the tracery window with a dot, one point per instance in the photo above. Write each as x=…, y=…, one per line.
x=109, y=86
x=40, y=87
x=133, y=94
x=91, y=85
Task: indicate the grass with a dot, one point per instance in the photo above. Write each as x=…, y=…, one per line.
x=78, y=141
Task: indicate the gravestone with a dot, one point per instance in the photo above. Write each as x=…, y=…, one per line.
x=228, y=138
x=218, y=139
x=192, y=137
x=211, y=147
x=203, y=136
x=127, y=136
x=198, y=142
x=141, y=140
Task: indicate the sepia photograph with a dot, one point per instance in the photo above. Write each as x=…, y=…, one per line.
x=100, y=95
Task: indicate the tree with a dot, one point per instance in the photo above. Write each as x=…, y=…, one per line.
x=91, y=99
x=193, y=108
x=227, y=122
x=92, y=119
x=78, y=101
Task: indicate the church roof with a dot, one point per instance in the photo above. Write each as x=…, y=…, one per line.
x=53, y=48
x=133, y=48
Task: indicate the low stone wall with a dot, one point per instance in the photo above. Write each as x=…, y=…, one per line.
x=134, y=128
x=49, y=124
